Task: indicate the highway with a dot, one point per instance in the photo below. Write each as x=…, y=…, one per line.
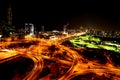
x=44, y=50
x=38, y=66
x=6, y=55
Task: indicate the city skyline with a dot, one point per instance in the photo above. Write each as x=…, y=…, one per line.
x=54, y=15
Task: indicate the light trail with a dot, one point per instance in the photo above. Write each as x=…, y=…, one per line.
x=40, y=50
x=38, y=66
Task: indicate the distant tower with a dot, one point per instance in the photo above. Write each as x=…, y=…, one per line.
x=65, y=28
x=42, y=28
x=9, y=17
x=81, y=28
x=32, y=29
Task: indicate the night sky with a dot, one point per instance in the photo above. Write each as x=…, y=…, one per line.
x=53, y=14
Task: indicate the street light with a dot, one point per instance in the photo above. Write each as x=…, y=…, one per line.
x=0, y=37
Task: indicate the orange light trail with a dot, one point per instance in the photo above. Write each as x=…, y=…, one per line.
x=70, y=62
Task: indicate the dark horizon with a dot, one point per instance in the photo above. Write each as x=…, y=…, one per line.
x=55, y=14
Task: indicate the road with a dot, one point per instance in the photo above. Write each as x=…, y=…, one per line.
x=40, y=51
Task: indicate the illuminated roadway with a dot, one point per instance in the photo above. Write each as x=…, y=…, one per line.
x=6, y=55
x=35, y=52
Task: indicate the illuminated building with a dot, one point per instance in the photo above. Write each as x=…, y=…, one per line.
x=29, y=29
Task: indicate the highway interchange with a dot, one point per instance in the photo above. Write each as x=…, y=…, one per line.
x=39, y=50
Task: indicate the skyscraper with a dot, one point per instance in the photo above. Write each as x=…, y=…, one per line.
x=42, y=27
x=9, y=16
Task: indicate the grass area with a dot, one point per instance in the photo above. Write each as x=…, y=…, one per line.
x=93, y=42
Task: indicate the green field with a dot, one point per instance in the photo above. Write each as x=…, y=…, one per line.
x=93, y=42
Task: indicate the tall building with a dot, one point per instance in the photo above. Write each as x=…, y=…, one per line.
x=42, y=27
x=65, y=28
x=29, y=29
x=9, y=16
